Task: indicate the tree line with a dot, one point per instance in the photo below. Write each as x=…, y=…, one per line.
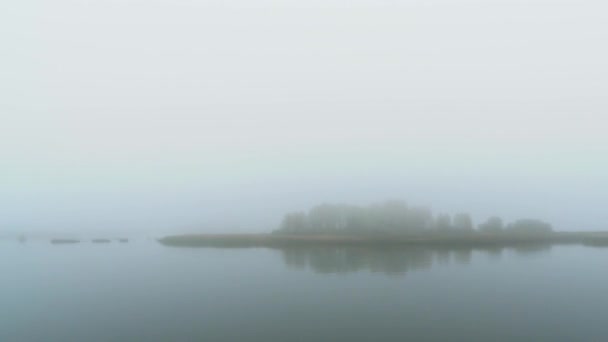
x=396, y=217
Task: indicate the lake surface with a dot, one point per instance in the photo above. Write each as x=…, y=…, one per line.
x=142, y=291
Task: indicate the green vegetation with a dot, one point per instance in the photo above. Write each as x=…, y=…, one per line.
x=390, y=224
x=477, y=240
x=397, y=218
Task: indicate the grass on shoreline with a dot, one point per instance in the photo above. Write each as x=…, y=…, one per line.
x=474, y=239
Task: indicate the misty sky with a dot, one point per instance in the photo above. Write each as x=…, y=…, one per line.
x=215, y=115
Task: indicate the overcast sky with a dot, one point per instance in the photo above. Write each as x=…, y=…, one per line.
x=167, y=115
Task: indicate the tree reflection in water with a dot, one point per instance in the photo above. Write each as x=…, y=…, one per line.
x=390, y=261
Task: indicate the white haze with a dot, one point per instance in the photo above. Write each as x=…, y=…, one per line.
x=148, y=116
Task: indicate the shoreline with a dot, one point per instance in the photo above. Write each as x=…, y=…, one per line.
x=428, y=240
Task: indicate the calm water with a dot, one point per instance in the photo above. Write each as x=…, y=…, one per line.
x=143, y=291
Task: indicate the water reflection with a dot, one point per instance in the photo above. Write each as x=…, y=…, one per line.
x=494, y=253
x=392, y=261
x=532, y=249
x=350, y=259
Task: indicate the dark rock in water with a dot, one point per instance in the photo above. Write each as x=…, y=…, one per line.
x=123, y=240
x=64, y=241
x=101, y=241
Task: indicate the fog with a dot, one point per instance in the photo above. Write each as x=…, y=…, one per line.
x=155, y=116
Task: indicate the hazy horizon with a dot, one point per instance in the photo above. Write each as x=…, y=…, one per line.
x=131, y=116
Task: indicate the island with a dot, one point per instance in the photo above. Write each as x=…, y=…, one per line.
x=391, y=224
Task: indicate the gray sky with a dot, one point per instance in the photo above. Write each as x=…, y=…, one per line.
x=209, y=115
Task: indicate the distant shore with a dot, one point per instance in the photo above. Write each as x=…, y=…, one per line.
x=466, y=240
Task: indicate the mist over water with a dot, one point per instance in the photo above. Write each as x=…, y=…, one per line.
x=144, y=291
x=207, y=116
x=421, y=170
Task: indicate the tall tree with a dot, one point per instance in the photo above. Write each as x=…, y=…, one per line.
x=443, y=222
x=493, y=224
x=295, y=223
x=463, y=221
x=529, y=226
